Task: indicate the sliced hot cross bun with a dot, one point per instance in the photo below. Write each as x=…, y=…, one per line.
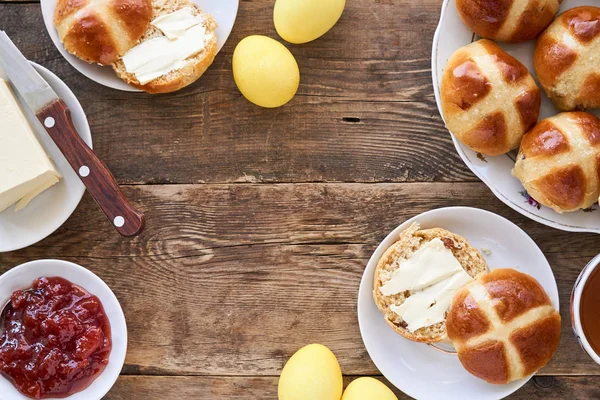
x=507, y=20
x=489, y=99
x=503, y=326
x=100, y=31
x=559, y=161
x=567, y=59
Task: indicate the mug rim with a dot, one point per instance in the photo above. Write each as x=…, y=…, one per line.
x=576, y=307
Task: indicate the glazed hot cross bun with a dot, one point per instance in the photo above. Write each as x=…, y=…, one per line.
x=503, y=326
x=100, y=31
x=559, y=161
x=507, y=20
x=489, y=99
x=567, y=59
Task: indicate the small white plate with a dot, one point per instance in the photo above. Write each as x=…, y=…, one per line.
x=48, y=211
x=223, y=11
x=495, y=172
x=417, y=369
x=22, y=276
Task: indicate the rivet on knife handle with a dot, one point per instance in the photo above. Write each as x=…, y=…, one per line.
x=94, y=174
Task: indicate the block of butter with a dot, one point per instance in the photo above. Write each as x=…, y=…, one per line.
x=25, y=168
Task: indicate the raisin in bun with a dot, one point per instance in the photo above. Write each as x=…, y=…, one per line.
x=503, y=326
x=489, y=99
x=507, y=20
x=559, y=161
x=100, y=31
x=567, y=58
x=408, y=243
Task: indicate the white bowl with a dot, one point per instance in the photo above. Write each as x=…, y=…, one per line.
x=576, y=308
x=495, y=172
x=223, y=11
x=421, y=371
x=48, y=211
x=22, y=277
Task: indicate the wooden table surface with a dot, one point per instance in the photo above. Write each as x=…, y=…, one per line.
x=260, y=222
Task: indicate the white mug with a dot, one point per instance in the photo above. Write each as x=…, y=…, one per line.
x=576, y=308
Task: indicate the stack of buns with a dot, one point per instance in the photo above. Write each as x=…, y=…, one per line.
x=103, y=32
x=491, y=103
x=501, y=323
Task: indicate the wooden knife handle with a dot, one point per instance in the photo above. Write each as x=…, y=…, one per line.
x=95, y=175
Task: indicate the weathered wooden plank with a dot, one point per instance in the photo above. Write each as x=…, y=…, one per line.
x=244, y=388
x=232, y=279
x=365, y=110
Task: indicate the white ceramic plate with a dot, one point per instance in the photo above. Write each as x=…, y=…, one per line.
x=223, y=11
x=48, y=211
x=417, y=369
x=22, y=277
x=451, y=34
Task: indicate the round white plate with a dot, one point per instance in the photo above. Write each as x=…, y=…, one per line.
x=223, y=11
x=48, y=211
x=22, y=277
x=495, y=172
x=417, y=369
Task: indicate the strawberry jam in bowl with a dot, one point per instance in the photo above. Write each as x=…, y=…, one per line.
x=54, y=339
x=62, y=333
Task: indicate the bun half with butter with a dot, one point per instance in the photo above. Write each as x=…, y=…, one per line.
x=503, y=326
x=417, y=277
x=177, y=48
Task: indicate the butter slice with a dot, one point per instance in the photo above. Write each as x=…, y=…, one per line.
x=429, y=306
x=432, y=263
x=184, y=37
x=175, y=24
x=25, y=169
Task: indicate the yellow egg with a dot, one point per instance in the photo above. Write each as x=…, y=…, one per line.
x=301, y=21
x=265, y=71
x=313, y=373
x=368, y=389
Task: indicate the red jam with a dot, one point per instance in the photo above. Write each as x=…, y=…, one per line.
x=55, y=340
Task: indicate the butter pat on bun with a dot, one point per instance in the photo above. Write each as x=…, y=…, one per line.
x=167, y=61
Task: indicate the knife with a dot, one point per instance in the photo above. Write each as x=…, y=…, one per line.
x=55, y=116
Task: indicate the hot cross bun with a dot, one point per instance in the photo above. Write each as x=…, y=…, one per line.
x=567, y=59
x=503, y=326
x=100, y=31
x=489, y=99
x=507, y=20
x=559, y=161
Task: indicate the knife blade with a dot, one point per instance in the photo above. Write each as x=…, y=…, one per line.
x=35, y=90
x=55, y=117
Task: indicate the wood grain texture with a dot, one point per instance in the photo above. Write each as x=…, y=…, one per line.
x=243, y=388
x=363, y=115
x=233, y=279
